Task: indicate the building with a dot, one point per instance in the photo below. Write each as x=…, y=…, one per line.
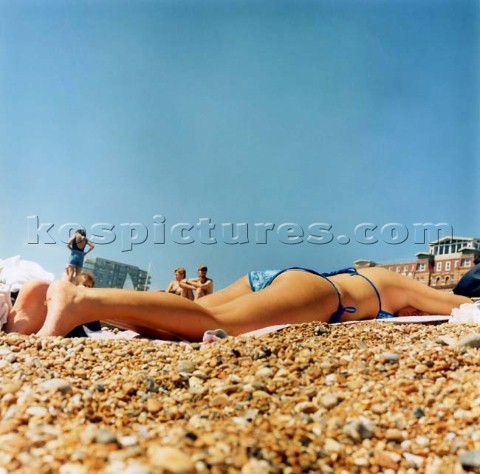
x=441, y=266
x=111, y=274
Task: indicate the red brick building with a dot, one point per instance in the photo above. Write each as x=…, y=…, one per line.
x=445, y=262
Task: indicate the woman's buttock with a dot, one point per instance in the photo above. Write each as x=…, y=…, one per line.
x=308, y=290
x=360, y=293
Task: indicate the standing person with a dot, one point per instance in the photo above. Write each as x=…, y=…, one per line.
x=77, y=244
x=179, y=286
x=202, y=284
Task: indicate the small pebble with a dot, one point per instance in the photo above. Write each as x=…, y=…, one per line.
x=106, y=437
x=390, y=357
x=172, y=460
x=154, y=405
x=329, y=401
x=470, y=340
x=186, y=366
x=470, y=459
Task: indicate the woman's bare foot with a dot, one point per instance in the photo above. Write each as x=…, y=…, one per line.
x=29, y=311
x=62, y=314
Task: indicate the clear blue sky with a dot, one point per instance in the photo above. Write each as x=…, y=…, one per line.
x=335, y=112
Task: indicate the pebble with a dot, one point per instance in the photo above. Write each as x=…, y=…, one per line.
x=106, y=437
x=413, y=460
x=9, y=387
x=306, y=407
x=386, y=460
x=470, y=340
x=186, y=366
x=390, y=357
x=172, y=460
x=256, y=466
x=36, y=411
x=470, y=459
x=154, y=405
x=56, y=385
x=329, y=400
x=135, y=468
x=394, y=435
x=421, y=368
x=128, y=441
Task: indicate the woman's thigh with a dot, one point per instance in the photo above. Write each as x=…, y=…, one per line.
x=237, y=289
x=293, y=297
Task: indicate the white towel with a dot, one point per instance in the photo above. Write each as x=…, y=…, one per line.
x=466, y=313
x=15, y=272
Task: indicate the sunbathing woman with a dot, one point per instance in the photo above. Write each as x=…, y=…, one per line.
x=257, y=300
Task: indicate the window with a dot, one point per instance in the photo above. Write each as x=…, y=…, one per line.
x=405, y=268
x=398, y=269
x=421, y=267
x=439, y=266
x=466, y=262
x=447, y=266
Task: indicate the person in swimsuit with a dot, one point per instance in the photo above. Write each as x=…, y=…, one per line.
x=257, y=300
x=77, y=244
x=179, y=286
x=202, y=284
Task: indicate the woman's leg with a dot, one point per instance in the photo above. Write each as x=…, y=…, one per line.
x=293, y=297
x=70, y=271
x=235, y=290
x=149, y=313
x=29, y=311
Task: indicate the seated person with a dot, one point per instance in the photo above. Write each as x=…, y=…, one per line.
x=86, y=279
x=180, y=286
x=203, y=285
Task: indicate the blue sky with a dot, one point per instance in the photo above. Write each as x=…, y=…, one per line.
x=305, y=112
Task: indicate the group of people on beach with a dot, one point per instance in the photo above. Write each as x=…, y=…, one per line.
x=193, y=288
x=261, y=298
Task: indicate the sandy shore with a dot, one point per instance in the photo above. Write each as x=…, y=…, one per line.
x=371, y=397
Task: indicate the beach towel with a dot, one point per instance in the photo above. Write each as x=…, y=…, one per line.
x=15, y=272
x=466, y=313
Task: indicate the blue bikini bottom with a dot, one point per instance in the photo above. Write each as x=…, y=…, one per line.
x=261, y=279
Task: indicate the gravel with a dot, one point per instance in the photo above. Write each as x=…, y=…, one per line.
x=364, y=398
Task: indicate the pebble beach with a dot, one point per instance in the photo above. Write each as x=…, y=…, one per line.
x=370, y=397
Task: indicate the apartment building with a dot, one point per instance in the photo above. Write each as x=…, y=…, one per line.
x=111, y=274
x=441, y=266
